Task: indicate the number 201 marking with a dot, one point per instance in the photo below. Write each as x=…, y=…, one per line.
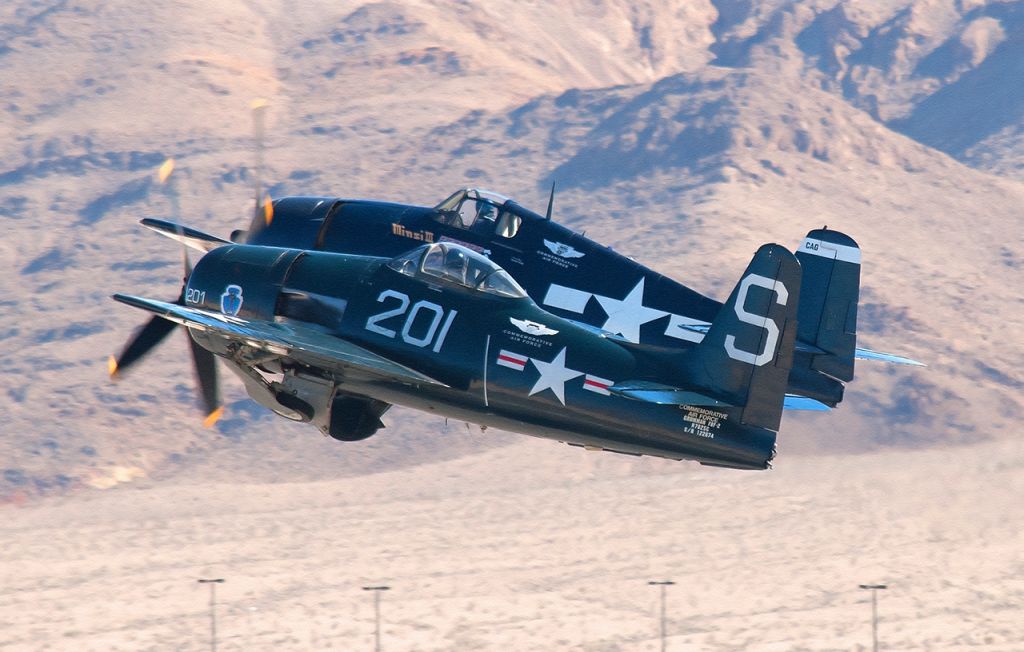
x=373, y=323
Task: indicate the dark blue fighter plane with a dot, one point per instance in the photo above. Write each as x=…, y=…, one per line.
x=336, y=339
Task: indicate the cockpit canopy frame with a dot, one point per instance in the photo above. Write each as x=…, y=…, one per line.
x=454, y=264
x=476, y=194
x=479, y=210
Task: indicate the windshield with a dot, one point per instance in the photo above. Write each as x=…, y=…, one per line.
x=457, y=265
x=455, y=199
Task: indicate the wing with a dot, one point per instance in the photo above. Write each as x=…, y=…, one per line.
x=305, y=345
x=184, y=234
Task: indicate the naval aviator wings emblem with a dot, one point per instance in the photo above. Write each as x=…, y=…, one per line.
x=532, y=327
x=562, y=250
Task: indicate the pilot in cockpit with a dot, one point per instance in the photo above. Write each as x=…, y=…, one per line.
x=486, y=214
x=485, y=210
x=455, y=265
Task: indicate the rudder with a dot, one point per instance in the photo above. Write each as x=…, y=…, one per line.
x=748, y=350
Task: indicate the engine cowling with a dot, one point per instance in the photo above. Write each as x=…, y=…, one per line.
x=240, y=281
x=264, y=283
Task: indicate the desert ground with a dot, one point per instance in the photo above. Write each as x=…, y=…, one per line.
x=535, y=546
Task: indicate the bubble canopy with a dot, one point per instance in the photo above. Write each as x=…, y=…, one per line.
x=457, y=265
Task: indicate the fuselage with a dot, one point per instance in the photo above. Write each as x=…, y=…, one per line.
x=500, y=360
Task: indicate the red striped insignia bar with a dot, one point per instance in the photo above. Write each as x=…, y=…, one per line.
x=512, y=360
x=596, y=384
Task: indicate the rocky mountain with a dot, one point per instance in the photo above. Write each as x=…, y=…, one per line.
x=682, y=133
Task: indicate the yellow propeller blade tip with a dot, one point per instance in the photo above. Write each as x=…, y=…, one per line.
x=258, y=103
x=165, y=170
x=213, y=417
x=268, y=210
x=112, y=366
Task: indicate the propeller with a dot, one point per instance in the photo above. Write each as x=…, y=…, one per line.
x=263, y=211
x=157, y=328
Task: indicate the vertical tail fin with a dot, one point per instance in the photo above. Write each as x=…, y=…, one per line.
x=746, y=356
x=828, y=301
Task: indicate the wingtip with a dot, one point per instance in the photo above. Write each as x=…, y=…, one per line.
x=213, y=417
x=125, y=299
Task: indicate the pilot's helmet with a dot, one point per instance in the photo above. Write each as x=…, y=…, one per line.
x=455, y=260
x=485, y=209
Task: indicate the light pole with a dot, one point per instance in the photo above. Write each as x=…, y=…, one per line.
x=213, y=613
x=376, y=611
x=662, y=584
x=874, y=588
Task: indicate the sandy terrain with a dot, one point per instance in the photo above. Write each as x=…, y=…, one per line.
x=535, y=546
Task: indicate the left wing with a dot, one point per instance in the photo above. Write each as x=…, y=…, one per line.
x=186, y=235
x=305, y=345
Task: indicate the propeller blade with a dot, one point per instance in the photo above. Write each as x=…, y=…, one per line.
x=157, y=328
x=164, y=176
x=147, y=337
x=205, y=365
x=260, y=218
x=164, y=172
x=144, y=340
x=268, y=210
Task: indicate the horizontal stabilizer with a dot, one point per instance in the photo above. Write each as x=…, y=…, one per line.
x=648, y=392
x=288, y=340
x=186, y=235
x=641, y=390
x=868, y=354
x=793, y=402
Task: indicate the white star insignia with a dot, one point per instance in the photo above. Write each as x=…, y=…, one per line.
x=553, y=376
x=625, y=317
